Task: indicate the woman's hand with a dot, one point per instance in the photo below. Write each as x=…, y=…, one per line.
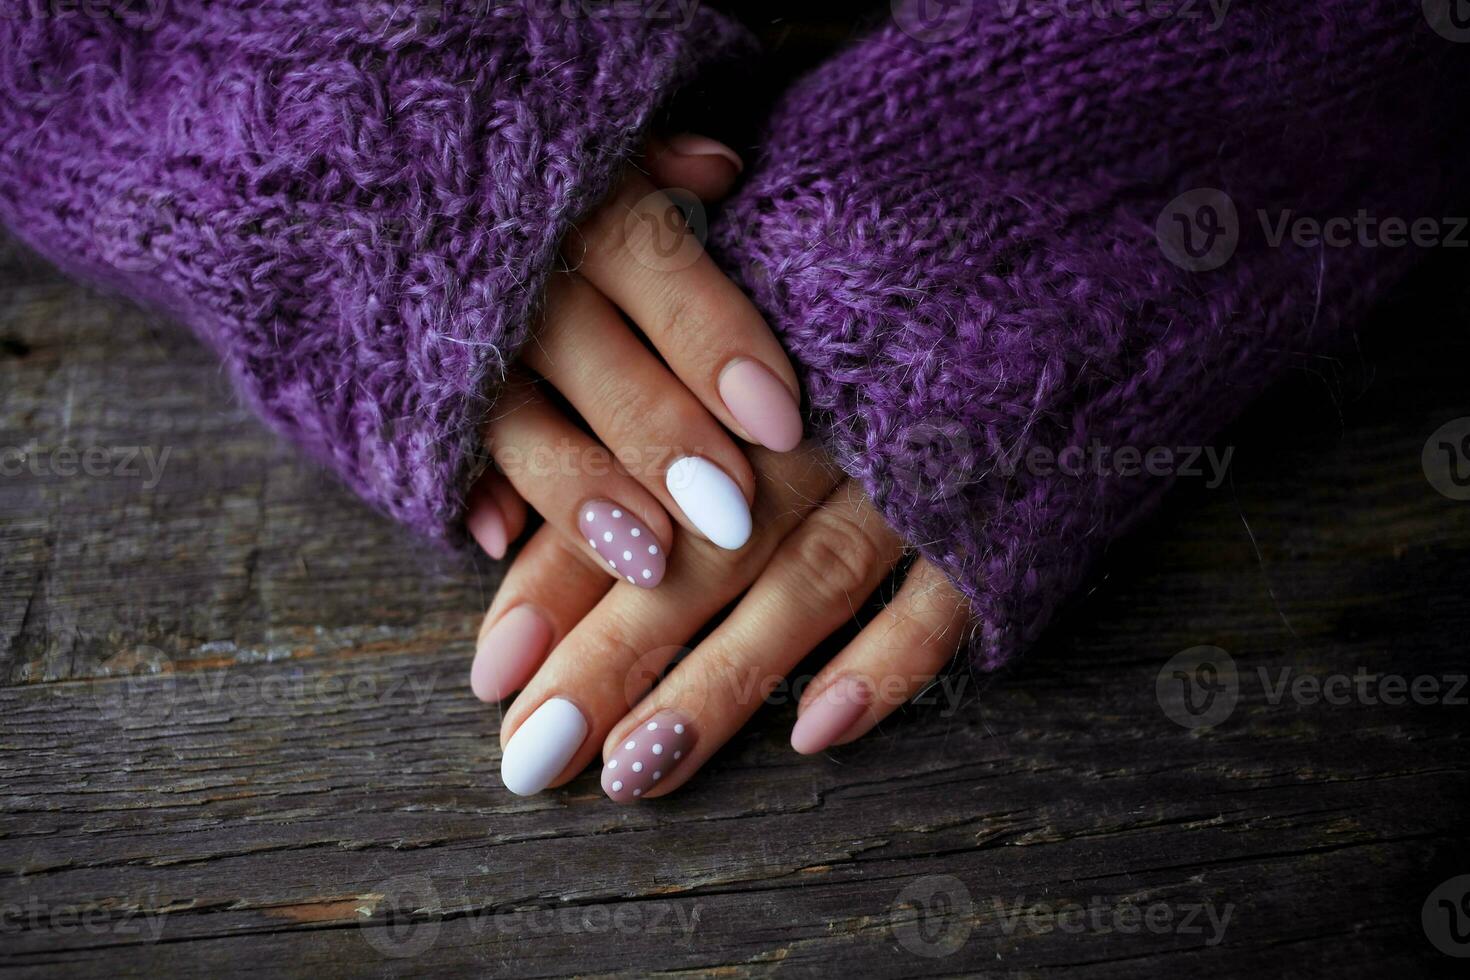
x=819, y=550
x=660, y=420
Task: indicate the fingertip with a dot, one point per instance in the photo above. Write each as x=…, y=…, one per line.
x=487, y=526
x=509, y=653
x=695, y=145
x=830, y=715
x=513, y=509
x=706, y=168
x=762, y=405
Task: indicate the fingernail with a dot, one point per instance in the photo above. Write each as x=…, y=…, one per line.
x=509, y=654
x=542, y=747
x=833, y=712
x=692, y=145
x=711, y=500
x=487, y=527
x=762, y=404
x=646, y=755
x=622, y=541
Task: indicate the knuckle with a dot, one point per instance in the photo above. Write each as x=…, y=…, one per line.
x=835, y=555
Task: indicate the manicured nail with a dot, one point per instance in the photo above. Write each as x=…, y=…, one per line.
x=487, y=526
x=621, y=540
x=541, y=748
x=692, y=145
x=833, y=712
x=509, y=654
x=762, y=404
x=711, y=500
x=646, y=755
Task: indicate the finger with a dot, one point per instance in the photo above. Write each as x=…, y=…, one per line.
x=706, y=168
x=547, y=590
x=495, y=514
x=654, y=426
x=812, y=585
x=579, y=488
x=894, y=658
x=610, y=659
x=639, y=251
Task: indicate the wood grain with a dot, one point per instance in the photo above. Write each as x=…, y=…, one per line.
x=237, y=736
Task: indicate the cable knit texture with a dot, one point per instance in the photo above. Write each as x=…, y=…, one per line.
x=356, y=203
x=962, y=227
x=956, y=228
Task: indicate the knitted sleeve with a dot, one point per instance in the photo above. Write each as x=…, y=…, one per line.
x=1012, y=256
x=355, y=202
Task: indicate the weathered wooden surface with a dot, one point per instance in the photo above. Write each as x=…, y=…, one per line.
x=236, y=735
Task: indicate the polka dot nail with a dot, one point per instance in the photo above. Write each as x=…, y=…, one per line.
x=646, y=756
x=622, y=542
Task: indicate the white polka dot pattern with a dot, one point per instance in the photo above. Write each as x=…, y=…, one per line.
x=648, y=754
x=622, y=543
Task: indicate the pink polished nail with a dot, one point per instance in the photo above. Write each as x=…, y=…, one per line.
x=691, y=145
x=487, y=526
x=646, y=755
x=509, y=654
x=762, y=405
x=833, y=712
x=622, y=541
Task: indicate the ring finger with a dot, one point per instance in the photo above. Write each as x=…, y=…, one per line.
x=578, y=487
x=657, y=429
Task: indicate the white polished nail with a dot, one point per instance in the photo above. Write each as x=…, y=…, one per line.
x=711, y=500
x=542, y=747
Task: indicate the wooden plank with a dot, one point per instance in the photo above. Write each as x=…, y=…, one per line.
x=237, y=737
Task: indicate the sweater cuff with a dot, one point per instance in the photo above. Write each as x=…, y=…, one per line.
x=993, y=247
x=356, y=204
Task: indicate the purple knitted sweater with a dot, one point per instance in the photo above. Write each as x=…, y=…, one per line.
x=983, y=236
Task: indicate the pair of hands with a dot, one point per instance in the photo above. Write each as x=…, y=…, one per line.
x=657, y=524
